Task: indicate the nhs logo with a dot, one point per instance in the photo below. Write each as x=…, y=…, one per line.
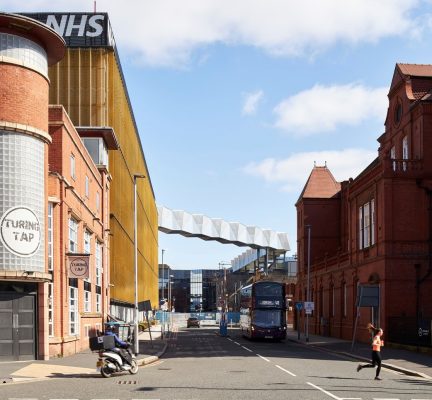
x=76, y=25
x=78, y=29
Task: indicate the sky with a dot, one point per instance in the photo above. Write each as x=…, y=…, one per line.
x=235, y=100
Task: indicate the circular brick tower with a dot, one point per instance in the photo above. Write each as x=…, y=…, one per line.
x=27, y=48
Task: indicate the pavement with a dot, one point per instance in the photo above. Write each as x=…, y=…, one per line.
x=80, y=364
x=408, y=361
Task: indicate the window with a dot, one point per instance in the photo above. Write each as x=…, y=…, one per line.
x=367, y=225
x=97, y=202
x=372, y=222
x=73, y=311
x=393, y=157
x=72, y=166
x=87, y=249
x=344, y=288
x=87, y=186
x=332, y=301
x=97, y=150
x=87, y=244
x=73, y=236
x=50, y=310
x=87, y=301
x=98, y=303
x=405, y=152
x=50, y=237
x=87, y=330
x=398, y=113
x=98, y=259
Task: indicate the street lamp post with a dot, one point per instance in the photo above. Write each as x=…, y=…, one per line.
x=308, y=281
x=136, y=347
x=169, y=300
x=163, y=275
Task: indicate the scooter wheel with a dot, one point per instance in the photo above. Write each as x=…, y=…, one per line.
x=134, y=367
x=106, y=372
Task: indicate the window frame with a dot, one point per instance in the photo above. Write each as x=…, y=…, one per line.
x=73, y=235
x=87, y=186
x=73, y=311
x=98, y=263
x=366, y=225
x=73, y=166
x=51, y=325
x=50, y=236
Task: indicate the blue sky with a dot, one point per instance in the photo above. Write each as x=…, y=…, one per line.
x=236, y=100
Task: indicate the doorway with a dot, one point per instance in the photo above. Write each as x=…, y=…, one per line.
x=17, y=326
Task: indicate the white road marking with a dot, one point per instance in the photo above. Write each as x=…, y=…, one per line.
x=237, y=343
x=384, y=398
x=285, y=370
x=324, y=391
x=265, y=359
x=247, y=349
x=230, y=339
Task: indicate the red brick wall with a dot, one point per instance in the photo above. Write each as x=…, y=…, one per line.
x=74, y=202
x=23, y=96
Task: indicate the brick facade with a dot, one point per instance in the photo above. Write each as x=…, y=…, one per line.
x=377, y=228
x=67, y=192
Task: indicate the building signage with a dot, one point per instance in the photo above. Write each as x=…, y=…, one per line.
x=78, y=29
x=20, y=231
x=78, y=265
x=309, y=306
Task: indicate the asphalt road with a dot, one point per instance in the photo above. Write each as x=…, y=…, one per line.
x=199, y=364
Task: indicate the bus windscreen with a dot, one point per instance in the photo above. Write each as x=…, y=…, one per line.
x=267, y=318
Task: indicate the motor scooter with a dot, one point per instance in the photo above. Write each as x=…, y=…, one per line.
x=111, y=361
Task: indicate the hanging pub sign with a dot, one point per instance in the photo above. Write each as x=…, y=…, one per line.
x=20, y=231
x=78, y=265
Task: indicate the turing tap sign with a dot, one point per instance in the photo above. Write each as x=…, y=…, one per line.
x=89, y=83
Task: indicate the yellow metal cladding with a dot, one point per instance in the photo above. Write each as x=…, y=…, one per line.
x=89, y=84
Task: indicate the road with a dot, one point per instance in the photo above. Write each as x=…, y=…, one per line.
x=199, y=364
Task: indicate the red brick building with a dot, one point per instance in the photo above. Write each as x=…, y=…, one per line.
x=54, y=185
x=78, y=223
x=375, y=230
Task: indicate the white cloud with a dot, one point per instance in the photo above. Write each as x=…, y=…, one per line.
x=251, y=102
x=291, y=173
x=323, y=108
x=167, y=32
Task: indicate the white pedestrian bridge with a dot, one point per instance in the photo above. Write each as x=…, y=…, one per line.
x=200, y=226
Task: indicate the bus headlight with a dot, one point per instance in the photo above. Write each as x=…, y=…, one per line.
x=252, y=327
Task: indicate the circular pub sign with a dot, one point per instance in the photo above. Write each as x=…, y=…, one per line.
x=20, y=231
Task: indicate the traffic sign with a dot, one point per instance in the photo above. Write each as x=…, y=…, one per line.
x=299, y=305
x=309, y=307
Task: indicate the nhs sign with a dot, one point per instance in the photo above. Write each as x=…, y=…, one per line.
x=79, y=29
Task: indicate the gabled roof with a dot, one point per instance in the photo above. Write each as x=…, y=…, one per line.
x=418, y=78
x=320, y=185
x=424, y=70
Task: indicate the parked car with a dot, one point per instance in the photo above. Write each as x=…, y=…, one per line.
x=192, y=321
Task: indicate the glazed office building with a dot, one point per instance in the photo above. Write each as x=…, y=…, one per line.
x=89, y=83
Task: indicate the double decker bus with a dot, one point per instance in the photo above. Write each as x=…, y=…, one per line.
x=262, y=310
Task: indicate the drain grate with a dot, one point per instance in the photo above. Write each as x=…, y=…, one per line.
x=127, y=382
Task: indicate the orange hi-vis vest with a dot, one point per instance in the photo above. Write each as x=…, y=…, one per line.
x=377, y=343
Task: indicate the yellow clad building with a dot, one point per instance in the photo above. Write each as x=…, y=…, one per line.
x=89, y=83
